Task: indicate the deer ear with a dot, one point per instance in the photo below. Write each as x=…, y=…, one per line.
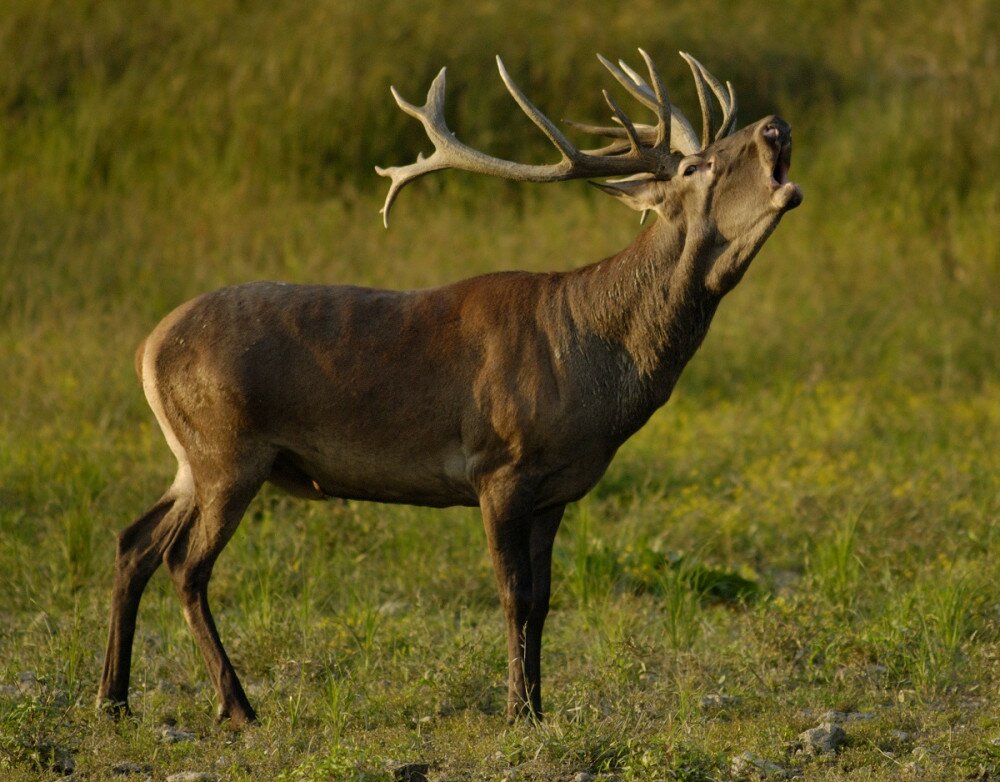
x=639, y=194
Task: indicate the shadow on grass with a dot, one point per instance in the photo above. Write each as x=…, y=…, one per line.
x=645, y=571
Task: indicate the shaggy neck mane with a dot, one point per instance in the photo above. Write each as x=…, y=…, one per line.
x=650, y=298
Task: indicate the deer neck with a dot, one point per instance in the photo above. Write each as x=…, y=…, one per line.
x=649, y=304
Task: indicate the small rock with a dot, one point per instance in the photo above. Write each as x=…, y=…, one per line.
x=996, y=742
x=167, y=687
x=60, y=699
x=747, y=763
x=193, y=776
x=171, y=735
x=716, y=701
x=901, y=736
x=393, y=608
x=28, y=683
x=409, y=772
x=124, y=769
x=583, y=776
x=824, y=738
x=846, y=716
x=62, y=761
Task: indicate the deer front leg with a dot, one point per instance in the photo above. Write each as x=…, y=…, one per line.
x=543, y=533
x=521, y=556
x=508, y=535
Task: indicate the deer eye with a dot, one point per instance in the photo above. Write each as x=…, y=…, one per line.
x=690, y=170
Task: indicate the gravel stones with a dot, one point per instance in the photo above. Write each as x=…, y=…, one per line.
x=717, y=701
x=126, y=769
x=409, y=772
x=750, y=766
x=170, y=734
x=193, y=776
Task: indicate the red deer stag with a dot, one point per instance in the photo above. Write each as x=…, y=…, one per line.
x=508, y=391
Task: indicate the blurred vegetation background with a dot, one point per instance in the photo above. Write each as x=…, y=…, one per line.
x=151, y=151
x=147, y=154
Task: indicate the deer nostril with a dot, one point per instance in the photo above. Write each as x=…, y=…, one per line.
x=772, y=132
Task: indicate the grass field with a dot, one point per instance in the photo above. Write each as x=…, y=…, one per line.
x=811, y=524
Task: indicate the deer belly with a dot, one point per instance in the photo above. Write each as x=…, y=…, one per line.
x=437, y=480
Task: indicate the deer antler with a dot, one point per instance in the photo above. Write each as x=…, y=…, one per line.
x=641, y=148
x=686, y=141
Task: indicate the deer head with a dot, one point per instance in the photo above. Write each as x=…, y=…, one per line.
x=736, y=179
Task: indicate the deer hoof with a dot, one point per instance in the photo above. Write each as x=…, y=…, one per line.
x=236, y=718
x=114, y=709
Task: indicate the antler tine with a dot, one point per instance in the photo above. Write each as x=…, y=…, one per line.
x=434, y=104
x=706, y=108
x=664, y=110
x=726, y=97
x=636, y=87
x=397, y=184
x=546, y=125
x=633, y=74
x=602, y=130
x=626, y=123
x=621, y=144
x=732, y=109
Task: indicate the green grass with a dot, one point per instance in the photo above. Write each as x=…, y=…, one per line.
x=812, y=523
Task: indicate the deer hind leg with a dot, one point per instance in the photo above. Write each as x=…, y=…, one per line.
x=139, y=552
x=190, y=557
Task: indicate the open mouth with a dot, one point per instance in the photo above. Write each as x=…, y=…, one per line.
x=783, y=161
x=786, y=194
x=777, y=136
